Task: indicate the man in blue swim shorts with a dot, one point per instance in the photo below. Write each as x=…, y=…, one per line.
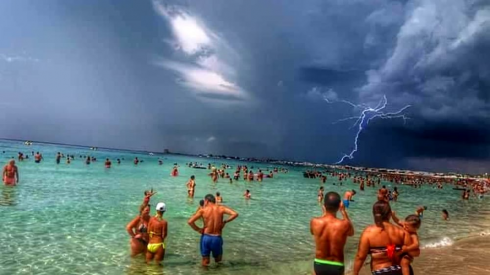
x=348, y=197
x=211, y=240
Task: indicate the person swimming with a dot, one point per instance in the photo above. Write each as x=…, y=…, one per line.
x=445, y=215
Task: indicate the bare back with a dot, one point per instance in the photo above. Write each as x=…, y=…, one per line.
x=330, y=237
x=157, y=229
x=213, y=219
x=378, y=237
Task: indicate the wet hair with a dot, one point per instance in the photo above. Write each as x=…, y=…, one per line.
x=332, y=202
x=217, y=194
x=193, y=177
x=384, y=186
x=354, y=191
x=248, y=191
x=413, y=220
x=201, y=203
x=381, y=212
x=445, y=212
x=321, y=187
x=210, y=198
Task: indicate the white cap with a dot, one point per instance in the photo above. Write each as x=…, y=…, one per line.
x=161, y=207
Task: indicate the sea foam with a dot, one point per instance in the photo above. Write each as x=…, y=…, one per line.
x=446, y=241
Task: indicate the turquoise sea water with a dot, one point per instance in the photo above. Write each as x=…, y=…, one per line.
x=70, y=219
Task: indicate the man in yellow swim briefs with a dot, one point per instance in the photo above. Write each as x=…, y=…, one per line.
x=157, y=228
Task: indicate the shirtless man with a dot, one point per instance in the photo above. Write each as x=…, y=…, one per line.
x=348, y=197
x=157, y=228
x=320, y=194
x=219, y=198
x=211, y=240
x=330, y=235
x=38, y=157
x=10, y=174
x=191, y=185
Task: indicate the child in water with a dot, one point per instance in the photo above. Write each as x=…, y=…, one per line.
x=146, y=200
x=411, y=225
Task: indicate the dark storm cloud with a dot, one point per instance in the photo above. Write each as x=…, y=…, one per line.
x=248, y=77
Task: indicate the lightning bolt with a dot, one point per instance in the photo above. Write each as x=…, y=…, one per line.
x=367, y=114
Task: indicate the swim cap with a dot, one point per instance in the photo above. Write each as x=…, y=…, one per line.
x=161, y=207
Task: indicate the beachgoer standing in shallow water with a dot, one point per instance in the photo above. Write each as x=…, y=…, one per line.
x=107, y=163
x=38, y=157
x=219, y=198
x=191, y=185
x=320, y=194
x=10, y=174
x=138, y=230
x=382, y=240
x=348, y=197
x=58, y=158
x=157, y=229
x=330, y=235
x=383, y=194
x=211, y=240
x=247, y=195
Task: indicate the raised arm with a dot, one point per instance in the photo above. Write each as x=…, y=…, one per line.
x=362, y=252
x=395, y=218
x=350, y=230
x=231, y=212
x=132, y=224
x=193, y=219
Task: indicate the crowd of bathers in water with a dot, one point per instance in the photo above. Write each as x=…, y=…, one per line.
x=392, y=246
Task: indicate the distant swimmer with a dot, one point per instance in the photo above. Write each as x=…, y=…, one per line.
x=320, y=194
x=330, y=235
x=10, y=174
x=420, y=211
x=136, y=161
x=348, y=197
x=250, y=176
x=260, y=175
x=191, y=186
x=247, y=194
x=395, y=194
x=87, y=161
x=68, y=160
x=211, y=240
x=361, y=187
x=118, y=161
x=107, y=163
x=157, y=228
x=445, y=215
x=219, y=198
x=160, y=162
x=58, y=158
x=175, y=172
x=38, y=157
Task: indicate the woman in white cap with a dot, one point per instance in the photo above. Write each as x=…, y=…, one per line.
x=158, y=232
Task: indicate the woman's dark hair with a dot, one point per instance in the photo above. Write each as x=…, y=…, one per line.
x=445, y=212
x=381, y=212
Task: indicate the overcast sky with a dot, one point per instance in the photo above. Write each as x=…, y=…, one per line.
x=250, y=78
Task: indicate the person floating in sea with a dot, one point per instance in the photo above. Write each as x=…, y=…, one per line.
x=247, y=195
x=191, y=185
x=320, y=194
x=107, y=163
x=58, y=158
x=10, y=174
x=211, y=240
x=348, y=195
x=330, y=235
x=411, y=225
x=157, y=228
x=445, y=215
